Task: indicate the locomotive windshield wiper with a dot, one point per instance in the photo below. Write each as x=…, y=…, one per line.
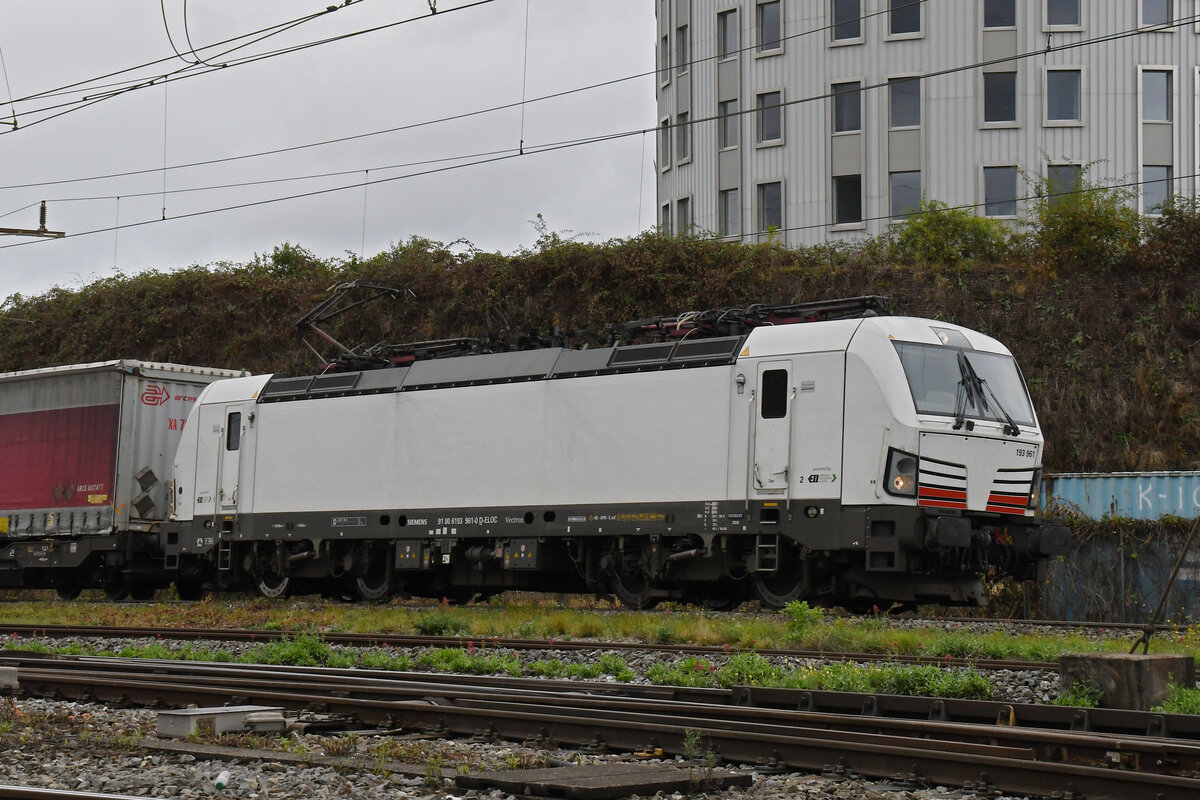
x=975, y=388
x=968, y=391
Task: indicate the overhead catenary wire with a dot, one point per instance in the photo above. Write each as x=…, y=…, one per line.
x=8, y=90
x=436, y=121
x=610, y=137
x=538, y=151
x=1125, y=33
x=193, y=71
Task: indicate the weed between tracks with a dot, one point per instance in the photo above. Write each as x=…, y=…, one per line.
x=574, y=618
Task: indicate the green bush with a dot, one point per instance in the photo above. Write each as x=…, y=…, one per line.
x=938, y=234
x=1089, y=226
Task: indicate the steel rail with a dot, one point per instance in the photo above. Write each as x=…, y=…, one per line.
x=8, y=792
x=481, y=642
x=798, y=739
x=382, y=684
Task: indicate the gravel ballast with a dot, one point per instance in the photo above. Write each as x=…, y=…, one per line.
x=94, y=747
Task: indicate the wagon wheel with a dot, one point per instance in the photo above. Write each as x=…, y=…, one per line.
x=70, y=587
x=633, y=590
x=115, y=588
x=777, y=589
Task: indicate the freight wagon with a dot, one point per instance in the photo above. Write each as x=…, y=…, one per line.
x=85, y=456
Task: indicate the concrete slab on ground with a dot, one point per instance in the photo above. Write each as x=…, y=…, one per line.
x=1133, y=681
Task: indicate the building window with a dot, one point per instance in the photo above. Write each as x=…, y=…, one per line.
x=904, y=16
x=906, y=193
x=1156, y=12
x=999, y=13
x=1062, y=13
x=1063, y=95
x=683, y=137
x=847, y=20
x=847, y=107
x=770, y=29
x=1156, y=188
x=770, y=206
x=682, y=49
x=847, y=199
x=1000, y=191
x=683, y=214
x=664, y=219
x=728, y=41
x=1156, y=95
x=1063, y=178
x=730, y=213
x=728, y=124
x=664, y=59
x=664, y=145
x=770, y=117
x=904, y=102
x=999, y=97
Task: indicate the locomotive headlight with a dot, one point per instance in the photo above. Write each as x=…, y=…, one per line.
x=901, y=477
x=1035, y=490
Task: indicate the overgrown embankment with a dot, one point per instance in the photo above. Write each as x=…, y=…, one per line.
x=1102, y=311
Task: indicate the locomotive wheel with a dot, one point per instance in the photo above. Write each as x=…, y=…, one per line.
x=633, y=591
x=141, y=593
x=272, y=586
x=375, y=582
x=189, y=588
x=776, y=590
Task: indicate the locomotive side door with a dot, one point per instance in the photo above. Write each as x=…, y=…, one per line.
x=773, y=411
x=229, y=449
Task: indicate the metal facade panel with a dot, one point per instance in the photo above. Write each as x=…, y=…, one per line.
x=1108, y=138
x=1158, y=143
x=845, y=154
x=730, y=167
x=904, y=150
x=1136, y=495
x=729, y=79
x=999, y=44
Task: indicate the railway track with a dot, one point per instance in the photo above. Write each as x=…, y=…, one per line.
x=988, y=745
x=416, y=641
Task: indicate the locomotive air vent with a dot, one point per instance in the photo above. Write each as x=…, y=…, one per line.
x=285, y=387
x=335, y=382
x=641, y=354
x=723, y=349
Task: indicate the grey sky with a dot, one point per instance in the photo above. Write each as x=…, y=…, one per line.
x=444, y=65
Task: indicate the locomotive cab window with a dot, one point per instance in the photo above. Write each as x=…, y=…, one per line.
x=233, y=431
x=953, y=381
x=773, y=404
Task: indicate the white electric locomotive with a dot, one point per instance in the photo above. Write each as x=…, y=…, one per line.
x=860, y=460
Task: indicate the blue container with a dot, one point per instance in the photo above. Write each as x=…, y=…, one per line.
x=1134, y=495
x=1107, y=580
